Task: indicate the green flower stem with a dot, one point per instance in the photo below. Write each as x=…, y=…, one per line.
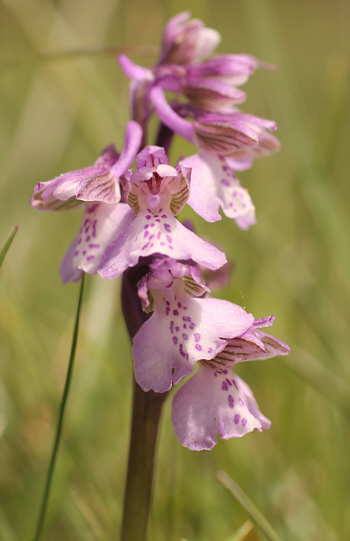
x=146, y=415
x=56, y=444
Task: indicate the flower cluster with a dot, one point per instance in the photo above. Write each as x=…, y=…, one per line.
x=130, y=220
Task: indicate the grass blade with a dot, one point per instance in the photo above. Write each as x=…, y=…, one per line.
x=257, y=517
x=7, y=243
x=51, y=469
x=246, y=532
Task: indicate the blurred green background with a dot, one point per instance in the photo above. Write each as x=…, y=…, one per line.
x=57, y=113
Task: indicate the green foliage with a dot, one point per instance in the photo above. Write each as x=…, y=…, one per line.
x=57, y=114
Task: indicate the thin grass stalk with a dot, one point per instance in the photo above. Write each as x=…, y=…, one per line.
x=51, y=469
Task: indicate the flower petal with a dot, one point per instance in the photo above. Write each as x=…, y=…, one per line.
x=187, y=330
x=214, y=184
x=100, y=225
x=214, y=402
x=157, y=233
x=187, y=42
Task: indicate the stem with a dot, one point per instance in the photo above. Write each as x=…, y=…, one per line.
x=51, y=469
x=146, y=414
x=139, y=483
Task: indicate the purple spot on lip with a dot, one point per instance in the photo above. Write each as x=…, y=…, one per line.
x=197, y=337
x=148, y=217
x=176, y=312
x=236, y=419
x=94, y=245
x=231, y=403
x=169, y=239
x=225, y=182
x=167, y=228
x=152, y=224
x=228, y=381
x=84, y=252
x=186, y=318
x=146, y=226
x=167, y=310
x=179, y=304
x=164, y=216
x=93, y=208
x=198, y=347
x=234, y=383
x=184, y=336
x=177, y=329
x=89, y=257
x=146, y=233
x=88, y=238
x=224, y=386
x=182, y=351
x=174, y=340
x=244, y=422
x=192, y=325
x=145, y=246
x=76, y=252
x=172, y=327
x=210, y=350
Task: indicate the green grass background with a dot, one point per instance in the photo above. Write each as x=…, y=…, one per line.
x=56, y=116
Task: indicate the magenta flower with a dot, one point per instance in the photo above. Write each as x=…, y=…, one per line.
x=253, y=345
x=215, y=401
x=225, y=142
x=182, y=69
x=97, y=188
x=188, y=329
x=99, y=182
x=156, y=193
x=187, y=42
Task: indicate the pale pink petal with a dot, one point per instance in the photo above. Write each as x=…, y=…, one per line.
x=100, y=225
x=213, y=403
x=214, y=184
x=159, y=233
x=182, y=331
x=203, y=196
